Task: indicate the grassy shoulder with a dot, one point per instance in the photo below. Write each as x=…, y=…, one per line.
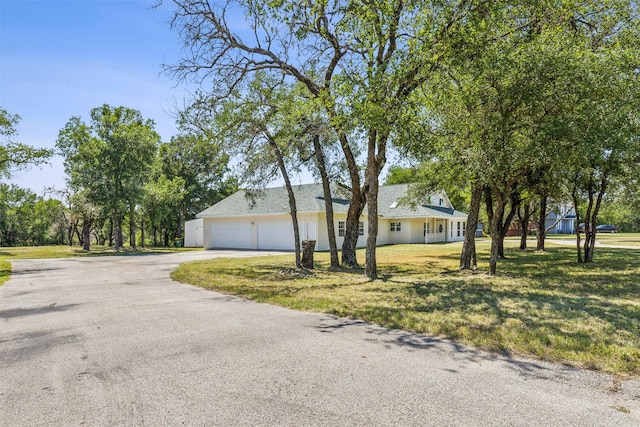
x=60, y=251
x=5, y=271
x=540, y=304
x=44, y=252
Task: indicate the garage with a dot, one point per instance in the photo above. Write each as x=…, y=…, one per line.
x=231, y=235
x=275, y=235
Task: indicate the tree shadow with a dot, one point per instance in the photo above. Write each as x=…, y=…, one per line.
x=20, y=312
x=465, y=355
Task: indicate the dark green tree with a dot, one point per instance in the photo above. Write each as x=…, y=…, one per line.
x=15, y=155
x=109, y=159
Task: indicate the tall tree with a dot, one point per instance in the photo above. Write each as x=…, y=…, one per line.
x=259, y=129
x=109, y=158
x=361, y=59
x=603, y=124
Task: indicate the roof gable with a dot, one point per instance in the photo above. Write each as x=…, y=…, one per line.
x=310, y=199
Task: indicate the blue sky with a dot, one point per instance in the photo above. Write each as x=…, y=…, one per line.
x=60, y=59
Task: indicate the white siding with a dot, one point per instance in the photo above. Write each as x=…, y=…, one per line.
x=193, y=233
x=275, y=235
x=236, y=235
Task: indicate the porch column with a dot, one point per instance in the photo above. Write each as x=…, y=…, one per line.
x=426, y=230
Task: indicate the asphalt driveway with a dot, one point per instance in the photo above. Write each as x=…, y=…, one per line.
x=114, y=341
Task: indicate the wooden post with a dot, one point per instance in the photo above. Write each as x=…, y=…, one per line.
x=308, y=247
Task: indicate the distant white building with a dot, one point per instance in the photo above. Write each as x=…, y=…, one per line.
x=562, y=219
x=193, y=233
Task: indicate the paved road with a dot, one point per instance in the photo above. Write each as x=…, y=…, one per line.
x=113, y=341
x=599, y=244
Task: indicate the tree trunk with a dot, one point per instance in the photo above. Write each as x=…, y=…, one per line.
x=294, y=220
x=371, y=266
x=576, y=206
x=501, y=247
x=376, y=158
x=179, y=225
x=356, y=205
x=132, y=225
x=590, y=223
x=524, y=216
x=541, y=234
x=117, y=231
x=77, y=233
x=504, y=225
x=142, y=236
x=292, y=199
x=70, y=232
x=493, y=258
x=351, y=232
x=468, y=255
x=328, y=201
x=495, y=215
x=86, y=232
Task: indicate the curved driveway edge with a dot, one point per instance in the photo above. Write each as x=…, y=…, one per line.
x=114, y=341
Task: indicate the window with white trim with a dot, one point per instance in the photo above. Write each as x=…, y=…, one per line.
x=341, y=228
x=464, y=228
x=396, y=226
x=459, y=229
x=361, y=228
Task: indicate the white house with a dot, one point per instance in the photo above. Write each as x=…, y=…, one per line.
x=239, y=222
x=561, y=218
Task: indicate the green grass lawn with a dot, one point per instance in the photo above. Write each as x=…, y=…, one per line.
x=539, y=304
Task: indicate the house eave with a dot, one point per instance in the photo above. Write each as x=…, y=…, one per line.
x=262, y=214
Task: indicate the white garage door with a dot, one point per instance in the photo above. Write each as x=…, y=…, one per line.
x=231, y=235
x=275, y=235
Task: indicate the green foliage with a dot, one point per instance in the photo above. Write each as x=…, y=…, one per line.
x=27, y=219
x=110, y=158
x=202, y=166
x=15, y=155
x=424, y=182
x=189, y=175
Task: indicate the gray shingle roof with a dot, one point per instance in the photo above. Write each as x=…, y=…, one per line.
x=309, y=198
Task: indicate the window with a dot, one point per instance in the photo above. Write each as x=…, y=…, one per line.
x=440, y=202
x=440, y=228
x=396, y=226
x=450, y=228
x=464, y=228
x=424, y=230
x=361, y=228
x=341, y=228
x=458, y=228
